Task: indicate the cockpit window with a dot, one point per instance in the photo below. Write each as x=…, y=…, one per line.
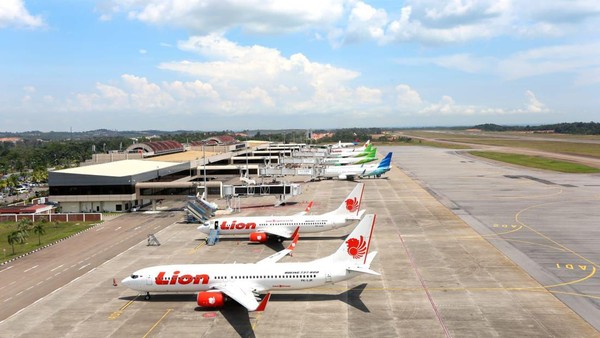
x=134, y=276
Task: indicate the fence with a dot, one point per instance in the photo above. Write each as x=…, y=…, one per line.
x=70, y=217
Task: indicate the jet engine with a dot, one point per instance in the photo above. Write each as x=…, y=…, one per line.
x=258, y=237
x=211, y=299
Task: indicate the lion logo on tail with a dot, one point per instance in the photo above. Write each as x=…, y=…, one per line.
x=352, y=204
x=357, y=248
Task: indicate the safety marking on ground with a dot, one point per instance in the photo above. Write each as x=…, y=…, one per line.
x=157, y=322
x=560, y=191
x=518, y=215
x=530, y=243
x=193, y=251
x=117, y=313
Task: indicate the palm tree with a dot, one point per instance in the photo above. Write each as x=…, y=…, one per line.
x=15, y=237
x=39, y=230
x=24, y=226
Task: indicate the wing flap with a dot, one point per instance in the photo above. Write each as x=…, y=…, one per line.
x=242, y=295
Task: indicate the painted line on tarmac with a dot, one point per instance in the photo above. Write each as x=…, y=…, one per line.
x=158, y=322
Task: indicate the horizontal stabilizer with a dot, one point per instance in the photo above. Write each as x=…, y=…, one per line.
x=356, y=217
x=362, y=269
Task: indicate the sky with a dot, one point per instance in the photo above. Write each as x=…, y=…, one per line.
x=213, y=65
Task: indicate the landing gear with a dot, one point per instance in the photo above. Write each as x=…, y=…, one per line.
x=280, y=239
x=147, y=296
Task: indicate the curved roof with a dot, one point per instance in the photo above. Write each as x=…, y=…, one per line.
x=156, y=147
x=217, y=140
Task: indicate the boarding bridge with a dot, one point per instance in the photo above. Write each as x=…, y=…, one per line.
x=283, y=190
x=301, y=160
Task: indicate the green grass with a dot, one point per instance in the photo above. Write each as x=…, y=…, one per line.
x=54, y=232
x=537, y=162
x=550, y=145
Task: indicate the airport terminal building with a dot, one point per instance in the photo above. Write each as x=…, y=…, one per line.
x=110, y=187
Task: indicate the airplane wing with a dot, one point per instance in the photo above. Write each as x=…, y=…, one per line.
x=280, y=254
x=242, y=295
x=278, y=231
x=306, y=211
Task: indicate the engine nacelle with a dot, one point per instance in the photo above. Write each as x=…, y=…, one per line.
x=258, y=237
x=211, y=299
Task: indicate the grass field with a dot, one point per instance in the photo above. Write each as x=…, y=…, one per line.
x=571, y=147
x=54, y=232
x=537, y=162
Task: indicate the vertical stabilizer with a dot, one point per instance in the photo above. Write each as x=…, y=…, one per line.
x=386, y=162
x=350, y=207
x=355, y=248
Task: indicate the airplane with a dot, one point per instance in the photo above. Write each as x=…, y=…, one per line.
x=261, y=228
x=350, y=172
x=359, y=159
x=352, y=153
x=343, y=145
x=215, y=283
x=350, y=150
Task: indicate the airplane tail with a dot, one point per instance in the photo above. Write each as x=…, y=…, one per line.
x=350, y=207
x=355, y=250
x=386, y=162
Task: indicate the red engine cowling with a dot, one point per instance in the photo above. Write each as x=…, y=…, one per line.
x=258, y=237
x=211, y=299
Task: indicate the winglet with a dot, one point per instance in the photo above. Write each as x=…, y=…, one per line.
x=263, y=303
x=295, y=237
x=307, y=210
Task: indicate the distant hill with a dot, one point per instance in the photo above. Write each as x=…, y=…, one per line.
x=580, y=128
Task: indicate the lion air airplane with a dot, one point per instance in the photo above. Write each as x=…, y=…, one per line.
x=261, y=228
x=215, y=283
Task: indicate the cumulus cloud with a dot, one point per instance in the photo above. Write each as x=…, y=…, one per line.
x=448, y=107
x=437, y=22
x=209, y=16
x=14, y=14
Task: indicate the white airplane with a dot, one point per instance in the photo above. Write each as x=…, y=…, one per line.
x=345, y=151
x=215, y=283
x=350, y=172
x=260, y=228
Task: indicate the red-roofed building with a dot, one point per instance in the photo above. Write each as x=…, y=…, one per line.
x=27, y=209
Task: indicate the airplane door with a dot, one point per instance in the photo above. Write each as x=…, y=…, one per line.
x=149, y=280
x=216, y=225
x=328, y=278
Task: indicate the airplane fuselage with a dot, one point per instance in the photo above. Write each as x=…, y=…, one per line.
x=259, y=278
x=247, y=225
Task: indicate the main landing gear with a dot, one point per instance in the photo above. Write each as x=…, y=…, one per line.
x=147, y=296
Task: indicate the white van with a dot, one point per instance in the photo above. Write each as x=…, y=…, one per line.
x=21, y=190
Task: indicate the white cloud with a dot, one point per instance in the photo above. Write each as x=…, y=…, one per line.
x=456, y=21
x=208, y=16
x=579, y=60
x=406, y=97
x=533, y=104
x=14, y=13
x=448, y=107
x=143, y=51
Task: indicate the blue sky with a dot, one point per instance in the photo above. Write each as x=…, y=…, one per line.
x=247, y=64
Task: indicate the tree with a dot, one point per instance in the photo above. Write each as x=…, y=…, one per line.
x=39, y=230
x=24, y=226
x=15, y=237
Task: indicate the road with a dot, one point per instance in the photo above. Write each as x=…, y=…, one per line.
x=65, y=261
